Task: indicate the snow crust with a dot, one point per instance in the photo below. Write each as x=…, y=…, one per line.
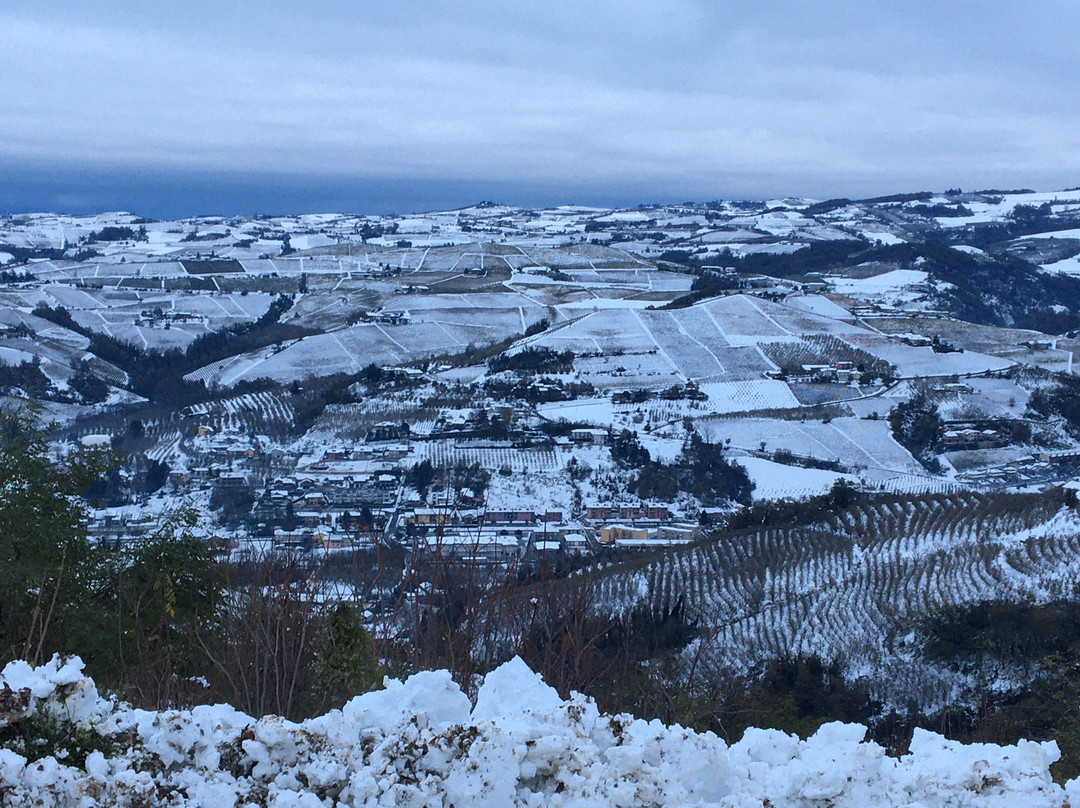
x=421, y=743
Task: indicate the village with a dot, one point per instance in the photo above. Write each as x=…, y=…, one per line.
x=509, y=387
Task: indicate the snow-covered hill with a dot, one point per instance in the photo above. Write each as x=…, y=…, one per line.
x=422, y=743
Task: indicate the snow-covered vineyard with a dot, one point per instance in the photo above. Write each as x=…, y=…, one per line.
x=423, y=743
x=846, y=587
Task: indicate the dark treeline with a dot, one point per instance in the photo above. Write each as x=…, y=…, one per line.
x=991, y=289
x=159, y=376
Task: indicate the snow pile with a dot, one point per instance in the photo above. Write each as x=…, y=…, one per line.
x=421, y=743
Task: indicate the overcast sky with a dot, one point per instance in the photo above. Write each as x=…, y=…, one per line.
x=422, y=102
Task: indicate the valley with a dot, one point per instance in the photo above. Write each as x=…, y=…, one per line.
x=803, y=427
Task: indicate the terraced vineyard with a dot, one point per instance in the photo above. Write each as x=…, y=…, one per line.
x=448, y=453
x=264, y=413
x=851, y=586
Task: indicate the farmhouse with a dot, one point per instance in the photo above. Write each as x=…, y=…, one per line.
x=586, y=436
x=479, y=546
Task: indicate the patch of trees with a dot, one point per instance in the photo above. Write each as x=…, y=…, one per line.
x=312, y=398
x=159, y=375
x=539, y=327
x=61, y=316
x=233, y=502
x=421, y=476
x=24, y=254
x=244, y=337
x=1033, y=215
x=627, y=451
x=637, y=396
x=700, y=470
x=788, y=458
x=1035, y=646
x=633, y=664
x=537, y=390
x=43, y=542
x=918, y=427
x=612, y=659
x=533, y=360
x=677, y=257
x=375, y=230
x=1001, y=290
x=26, y=376
x=940, y=211
x=213, y=235
x=706, y=284
x=787, y=513
x=818, y=256
x=83, y=386
x=467, y=481
x=118, y=233
x=834, y=204
x=562, y=428
x=1030, y=219
x=795, y=694
x=11, y=276
x=88, y=387
x=679, y=392
x=1062, y=399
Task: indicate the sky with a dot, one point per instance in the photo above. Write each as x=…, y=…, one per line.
x=181, y=108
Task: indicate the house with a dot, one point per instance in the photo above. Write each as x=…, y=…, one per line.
x=476, y=546
x=614, y=533
x=313, y=500
x=1065, y=456
x=430, y=516
x=658, y=512
x=679, y=533
x=600, y=513
x=917, y=340
x=577, y=544
x=496, y=516
x=309, y=518
x=594, y=437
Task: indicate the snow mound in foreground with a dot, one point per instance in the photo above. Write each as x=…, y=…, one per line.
x=421, y=743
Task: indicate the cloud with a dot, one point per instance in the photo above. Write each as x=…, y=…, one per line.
x=680, y=94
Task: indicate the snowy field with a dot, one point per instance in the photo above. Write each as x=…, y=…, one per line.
x=853, y=442
x=878, y=286
x=775, y=481
x=745, y=396
x=712, y=342
x=1066, y=266
x=819, y=305
x=983, y=212
x=922, y=361
x=353, y=348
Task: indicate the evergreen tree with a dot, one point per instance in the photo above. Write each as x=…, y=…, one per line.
x=45, y=558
